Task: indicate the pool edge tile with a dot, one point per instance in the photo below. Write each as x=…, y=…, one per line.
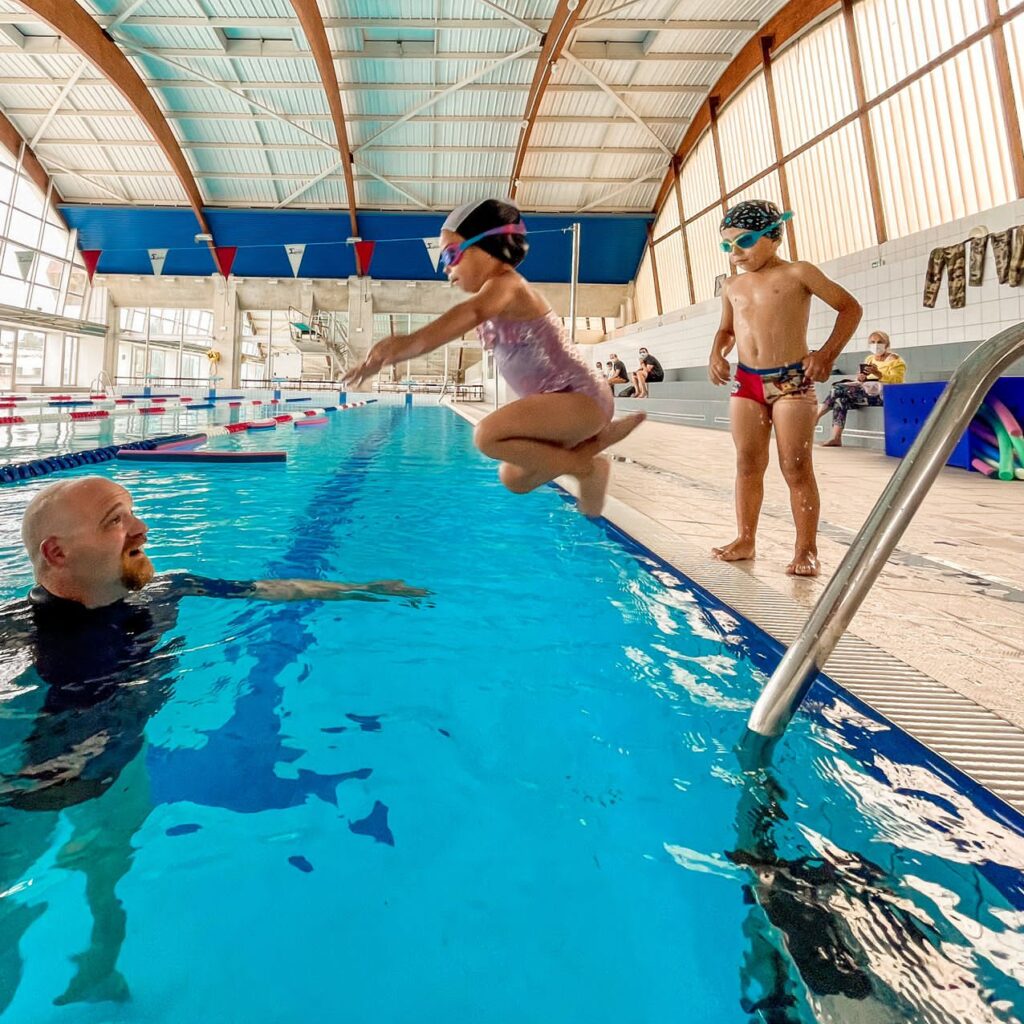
x=971, y=738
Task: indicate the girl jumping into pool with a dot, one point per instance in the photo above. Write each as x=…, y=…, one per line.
x=562, y=420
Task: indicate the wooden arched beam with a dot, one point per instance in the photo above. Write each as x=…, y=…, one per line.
x=78, y=27
x=12, y=139
x=790, y=21
x=555, y=39
x=312, y=23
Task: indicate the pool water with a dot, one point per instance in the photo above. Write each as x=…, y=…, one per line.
x=516, y=801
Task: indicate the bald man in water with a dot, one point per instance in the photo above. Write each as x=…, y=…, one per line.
x=86, y=546
x=82, y=675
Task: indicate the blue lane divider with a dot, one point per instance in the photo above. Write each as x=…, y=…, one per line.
x=15, y=471
x=148, y=395
x=305, y=398
x=226, y=398
x=205, y=405
x=60, y=403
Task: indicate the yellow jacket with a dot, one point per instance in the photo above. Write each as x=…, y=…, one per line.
x=893, y=371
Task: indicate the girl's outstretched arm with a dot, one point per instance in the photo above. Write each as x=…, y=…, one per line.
x=492, y=298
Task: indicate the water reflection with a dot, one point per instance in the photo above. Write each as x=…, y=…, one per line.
x=830, y=931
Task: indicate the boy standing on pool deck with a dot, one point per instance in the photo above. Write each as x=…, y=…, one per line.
x=765, y=313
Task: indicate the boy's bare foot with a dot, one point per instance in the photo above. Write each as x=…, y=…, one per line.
x=834, y=443
x=805, y=563
x=616, y=431
x=593, y=488
x=738, y=551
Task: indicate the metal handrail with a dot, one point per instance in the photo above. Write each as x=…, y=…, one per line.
x=882, y=531
x=101, y=382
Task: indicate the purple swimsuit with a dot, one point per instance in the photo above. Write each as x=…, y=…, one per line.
x=534, y=357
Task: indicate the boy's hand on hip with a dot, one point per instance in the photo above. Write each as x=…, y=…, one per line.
x=817, y=366
x=718, y=369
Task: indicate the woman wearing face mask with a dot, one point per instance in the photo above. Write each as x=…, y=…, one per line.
x=883, y=366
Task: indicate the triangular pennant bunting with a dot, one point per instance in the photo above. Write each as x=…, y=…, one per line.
x=364, y=254
x=295, y=253
x=156, y=260
x=25, y=258
x=433, y=250
x=225, y=258
x=91, y=257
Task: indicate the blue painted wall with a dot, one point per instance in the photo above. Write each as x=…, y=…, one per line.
x=611, y=246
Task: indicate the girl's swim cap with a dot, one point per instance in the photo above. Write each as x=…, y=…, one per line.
x=475, y=218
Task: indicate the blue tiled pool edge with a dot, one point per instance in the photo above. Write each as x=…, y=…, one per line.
x=776, y=620
x=979, y=794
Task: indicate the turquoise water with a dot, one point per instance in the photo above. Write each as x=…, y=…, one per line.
x=515, y=802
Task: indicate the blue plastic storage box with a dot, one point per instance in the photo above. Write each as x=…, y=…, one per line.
x=907, y=406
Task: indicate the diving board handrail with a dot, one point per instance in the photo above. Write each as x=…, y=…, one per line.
x=882, y=530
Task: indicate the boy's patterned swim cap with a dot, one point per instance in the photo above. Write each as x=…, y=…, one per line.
x=754, y=215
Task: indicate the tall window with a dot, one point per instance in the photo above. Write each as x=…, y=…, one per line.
x=935, y=114
x=645, y=300
x=706, y=256
x=39, y=266
x=162, y=342
x=833, y=210
x=8, y=342
x=898, y=37
x=69, y=361
x=942, y=146
x=1015, y=45
x=698, y=180
x=672, y=277
x=813, y=84
x=29, y=364
x=745, y=135
x=668, y=220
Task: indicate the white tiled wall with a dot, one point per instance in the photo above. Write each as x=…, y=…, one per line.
x=891, y=293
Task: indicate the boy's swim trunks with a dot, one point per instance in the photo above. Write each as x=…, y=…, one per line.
x=769, y=385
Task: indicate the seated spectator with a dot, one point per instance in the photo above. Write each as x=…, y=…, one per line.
x=600, y=368
x=883, y=366
x=616, y=370
x=649, y=372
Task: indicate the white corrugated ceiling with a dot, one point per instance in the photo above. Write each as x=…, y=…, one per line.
x=244, y=97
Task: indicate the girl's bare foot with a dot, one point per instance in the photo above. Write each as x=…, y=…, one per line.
x=834, y=443
x=738, y=551
x=805, y=563
x=616, y=431
x=593, y=487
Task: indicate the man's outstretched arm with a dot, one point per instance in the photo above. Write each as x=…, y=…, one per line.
x=188, y=585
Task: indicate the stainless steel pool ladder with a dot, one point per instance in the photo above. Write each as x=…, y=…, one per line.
x=102, y=383
x=882, y=531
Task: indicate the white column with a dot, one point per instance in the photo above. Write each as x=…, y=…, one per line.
x=360, y=316
x=227, y=331
x=109, y=362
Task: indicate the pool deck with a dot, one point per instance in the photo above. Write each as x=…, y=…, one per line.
x=948, y=609
x=951, y=600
